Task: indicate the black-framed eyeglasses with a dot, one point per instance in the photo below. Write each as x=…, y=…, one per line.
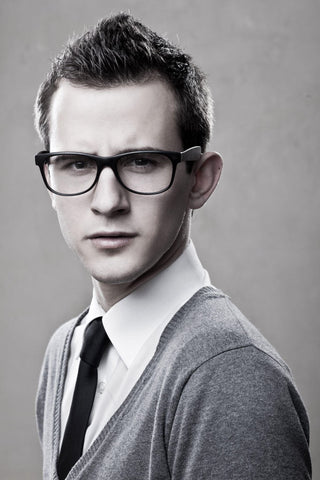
x=146, y=172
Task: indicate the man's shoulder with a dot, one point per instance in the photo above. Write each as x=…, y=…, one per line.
x=210, y=325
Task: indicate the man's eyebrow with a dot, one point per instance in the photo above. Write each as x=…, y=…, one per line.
x=143, y=148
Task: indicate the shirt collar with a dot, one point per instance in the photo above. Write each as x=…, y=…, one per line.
x=131, y=321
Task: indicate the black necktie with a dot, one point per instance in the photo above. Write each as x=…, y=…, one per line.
x=94, y=344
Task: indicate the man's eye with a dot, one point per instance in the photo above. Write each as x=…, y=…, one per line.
x=141, y=163
x=73, y=164
x=78, y=165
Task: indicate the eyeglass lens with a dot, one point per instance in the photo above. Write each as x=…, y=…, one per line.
x=142, y=173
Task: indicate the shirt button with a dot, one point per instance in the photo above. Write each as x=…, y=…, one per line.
x=101, y=387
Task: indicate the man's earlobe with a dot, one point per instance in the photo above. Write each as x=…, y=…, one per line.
x=206, y=177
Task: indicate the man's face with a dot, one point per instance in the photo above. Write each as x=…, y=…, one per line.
x=118, y=235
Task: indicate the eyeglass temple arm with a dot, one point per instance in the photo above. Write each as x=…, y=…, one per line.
x=191, y=155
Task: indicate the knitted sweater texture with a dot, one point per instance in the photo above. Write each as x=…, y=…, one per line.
x=215, y=402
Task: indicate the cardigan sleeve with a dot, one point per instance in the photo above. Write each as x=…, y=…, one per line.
x=40, y=398
x=239, y=417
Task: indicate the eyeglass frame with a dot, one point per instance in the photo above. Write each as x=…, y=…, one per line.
x=111, y=161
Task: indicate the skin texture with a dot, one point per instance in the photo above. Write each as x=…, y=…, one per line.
x=135, y=236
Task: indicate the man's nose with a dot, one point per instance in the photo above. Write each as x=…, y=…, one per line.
x=109, y=197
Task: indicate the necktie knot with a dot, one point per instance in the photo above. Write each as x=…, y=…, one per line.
x=94, y=343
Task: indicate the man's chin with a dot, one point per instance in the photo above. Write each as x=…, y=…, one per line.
x=118, y=276
x=110, y=280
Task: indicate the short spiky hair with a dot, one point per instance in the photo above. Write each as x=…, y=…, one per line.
x=120, y=50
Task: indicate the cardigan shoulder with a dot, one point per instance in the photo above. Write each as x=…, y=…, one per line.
x=209, y=325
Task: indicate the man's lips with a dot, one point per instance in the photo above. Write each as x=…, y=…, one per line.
x=111, y=234
x=111, y=240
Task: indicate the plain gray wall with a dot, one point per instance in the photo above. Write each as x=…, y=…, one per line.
x=259, y=234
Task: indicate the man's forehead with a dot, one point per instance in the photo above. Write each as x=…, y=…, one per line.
x=66, y=87
x=132, y=115
x=153, y=94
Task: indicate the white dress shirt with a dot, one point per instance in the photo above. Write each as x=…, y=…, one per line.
x=134, y=326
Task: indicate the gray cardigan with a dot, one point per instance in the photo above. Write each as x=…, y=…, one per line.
x=215, y=402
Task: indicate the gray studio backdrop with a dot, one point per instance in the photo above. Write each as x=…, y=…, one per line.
x=259, y=234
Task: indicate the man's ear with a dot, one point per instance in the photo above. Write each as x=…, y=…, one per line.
x=206, y=177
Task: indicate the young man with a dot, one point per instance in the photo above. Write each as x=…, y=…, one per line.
x=162, y=377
